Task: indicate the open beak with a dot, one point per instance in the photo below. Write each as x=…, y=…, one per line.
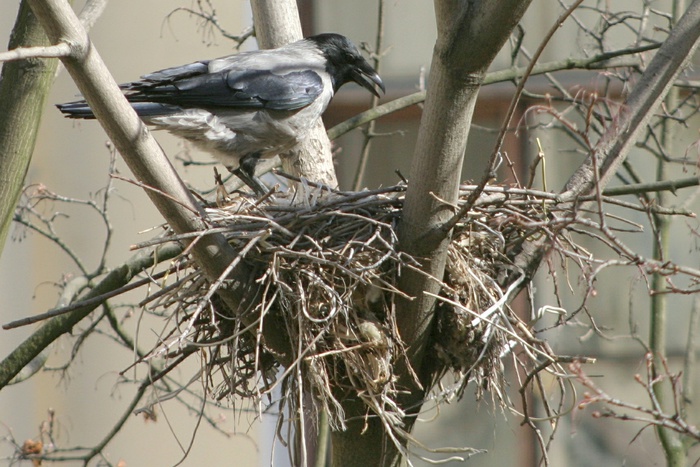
x=365, y=76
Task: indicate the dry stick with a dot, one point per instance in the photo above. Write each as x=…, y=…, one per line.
x=96, y=300
x=82, y=303
x=193, y=209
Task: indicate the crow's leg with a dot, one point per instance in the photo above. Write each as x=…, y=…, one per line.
x=246, y=172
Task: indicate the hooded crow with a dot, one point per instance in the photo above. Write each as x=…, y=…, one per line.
x=248, y=106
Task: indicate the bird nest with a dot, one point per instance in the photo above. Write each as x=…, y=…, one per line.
x=325, y=275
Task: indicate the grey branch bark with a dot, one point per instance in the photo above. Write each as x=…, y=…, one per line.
x=145, y=158
x=276, y=24
x=23, y=89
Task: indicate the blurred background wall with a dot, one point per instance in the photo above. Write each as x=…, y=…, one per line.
x=136, y=37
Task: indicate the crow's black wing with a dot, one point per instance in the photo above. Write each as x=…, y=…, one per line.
x=195, y=86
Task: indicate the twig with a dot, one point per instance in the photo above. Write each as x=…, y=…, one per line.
x=649, y=415
x=210, y=17
x=652, y=187
x=92, y=301
x=147, y=187
x=51, y=330
x=594, y=62
x=23, y=53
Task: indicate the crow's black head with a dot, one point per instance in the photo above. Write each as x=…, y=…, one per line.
x=345, y=64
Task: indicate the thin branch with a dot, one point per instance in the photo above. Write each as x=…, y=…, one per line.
x=632, y=116
x=662, y=185
x=90, y=302
x=496, y=154
x=22, y=53
x=639, y=107
x=208, y=15
x=91, y=12
x=595, y=62
x=116, y=428
x=97, y=449
x=54, y=328
x=375, y=113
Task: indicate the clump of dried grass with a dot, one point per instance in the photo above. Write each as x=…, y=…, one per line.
x=327, y=271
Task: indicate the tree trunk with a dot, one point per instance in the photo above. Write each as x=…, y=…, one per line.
x=276, y=24
x=470, y=34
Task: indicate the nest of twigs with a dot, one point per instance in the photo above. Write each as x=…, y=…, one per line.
x=326, y=272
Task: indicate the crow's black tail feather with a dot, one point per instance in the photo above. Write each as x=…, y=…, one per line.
x=80, y=109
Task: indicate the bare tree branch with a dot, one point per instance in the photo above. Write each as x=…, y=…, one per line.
x=631, y=118
x=53, y=329
x=23, y=53
x=639, y=107
x=23, y=89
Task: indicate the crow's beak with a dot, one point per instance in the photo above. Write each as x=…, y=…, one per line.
x=364, y=75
